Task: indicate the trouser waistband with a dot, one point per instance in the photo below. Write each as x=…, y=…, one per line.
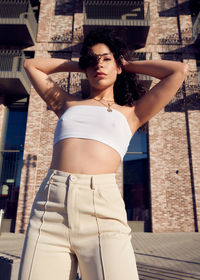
x=83, y=179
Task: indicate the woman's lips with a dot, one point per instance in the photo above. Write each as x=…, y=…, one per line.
x=100, y=74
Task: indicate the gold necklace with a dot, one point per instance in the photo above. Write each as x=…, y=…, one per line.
x=107, y=105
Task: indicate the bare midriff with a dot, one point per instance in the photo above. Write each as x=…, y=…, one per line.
x=84, y=156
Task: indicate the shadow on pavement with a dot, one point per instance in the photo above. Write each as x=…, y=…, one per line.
x=148, y=272
x=169, y=259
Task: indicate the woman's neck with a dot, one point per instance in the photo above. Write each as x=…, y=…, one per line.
x=106, y=94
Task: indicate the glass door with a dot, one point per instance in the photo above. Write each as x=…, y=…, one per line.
x=136, y=180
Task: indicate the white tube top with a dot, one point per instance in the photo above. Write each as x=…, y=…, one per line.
x=96, y=123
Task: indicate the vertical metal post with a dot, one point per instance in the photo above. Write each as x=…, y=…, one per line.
x=1, y=218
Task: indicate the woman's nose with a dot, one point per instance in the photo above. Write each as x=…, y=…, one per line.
x=98, y=66
x=99, y=61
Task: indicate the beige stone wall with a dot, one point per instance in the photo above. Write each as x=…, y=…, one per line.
x=170, y=167
x=194, y=119
x=172, y=196
x=193, y=116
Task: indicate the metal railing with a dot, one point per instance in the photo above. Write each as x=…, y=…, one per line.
x=9, y=160
x=10, y=60
x=13, y=9
x=117, y=10
x=9, y=182
x=18, y=12
x=1, y=218
x=11, y=66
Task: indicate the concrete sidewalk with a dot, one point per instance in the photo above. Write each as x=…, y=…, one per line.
x=167, y=255
x=159, y=256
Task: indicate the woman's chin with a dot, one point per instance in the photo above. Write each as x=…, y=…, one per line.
x=100, y=85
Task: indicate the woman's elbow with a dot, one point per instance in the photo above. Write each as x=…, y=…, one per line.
x=27, y=62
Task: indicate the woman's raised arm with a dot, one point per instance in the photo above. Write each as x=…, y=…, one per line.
x=38, y=70
x=171, y=75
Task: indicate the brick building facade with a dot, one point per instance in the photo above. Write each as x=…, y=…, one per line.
x=173, y=134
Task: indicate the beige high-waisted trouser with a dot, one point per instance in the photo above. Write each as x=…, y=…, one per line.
x=78, y=219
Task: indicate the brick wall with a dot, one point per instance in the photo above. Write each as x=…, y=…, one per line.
x=171, y=170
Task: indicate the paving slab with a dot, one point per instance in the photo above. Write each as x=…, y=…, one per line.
x=171, y=256
x=159, y=256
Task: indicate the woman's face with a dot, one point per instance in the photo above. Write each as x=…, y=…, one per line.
x=103, y=72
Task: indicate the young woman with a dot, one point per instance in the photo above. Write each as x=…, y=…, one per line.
x=78, y=215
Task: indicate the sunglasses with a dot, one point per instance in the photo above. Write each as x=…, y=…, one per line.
x=93, y=59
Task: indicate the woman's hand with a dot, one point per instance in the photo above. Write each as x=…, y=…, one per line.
x=124, y=63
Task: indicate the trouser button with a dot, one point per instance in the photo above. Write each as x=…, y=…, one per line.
x=73, y=178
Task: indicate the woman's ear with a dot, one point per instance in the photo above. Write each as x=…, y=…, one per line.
x=119, y=70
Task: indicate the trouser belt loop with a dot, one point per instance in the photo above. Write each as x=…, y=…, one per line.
x=92, y=183
x=51, y=177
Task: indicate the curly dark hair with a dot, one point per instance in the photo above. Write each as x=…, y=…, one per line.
x=127, y=89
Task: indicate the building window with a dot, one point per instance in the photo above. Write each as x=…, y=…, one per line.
x=15, y=130
x=11, y=159
x=136, y=179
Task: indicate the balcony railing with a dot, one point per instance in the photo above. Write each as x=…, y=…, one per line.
x=196, y=29
x=13, y=78
x=130, y=19
x=9, y=160
x=9, y=187
x=121, y=10
x=17, y=23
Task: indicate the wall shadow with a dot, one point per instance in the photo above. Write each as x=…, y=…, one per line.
x=170, y=8
x=68, y=7
x=75, y=49
x=29, y=162
x=167, y=258
x=190, y=102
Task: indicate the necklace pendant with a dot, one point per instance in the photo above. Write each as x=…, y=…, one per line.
x=109, y=109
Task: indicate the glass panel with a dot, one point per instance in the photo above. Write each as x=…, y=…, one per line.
x=16, y=127
x=136, y=180
x=11, y=160
x=138, y=143
x=136, y=186
x=134, y=156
